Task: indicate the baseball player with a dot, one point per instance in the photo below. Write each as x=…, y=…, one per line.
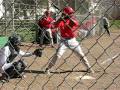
x=68, y=27
x=9, y=52
x=104, y=25
x=45, y=24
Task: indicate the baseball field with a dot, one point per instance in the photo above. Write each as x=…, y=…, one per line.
x=103, y=53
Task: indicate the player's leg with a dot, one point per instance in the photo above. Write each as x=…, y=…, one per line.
x=59, y=52
x=42, y=38
x=14, y=70
x=74, y=45
x=84, y=59
x=106, y=29
x=3, y=69
x=51, y=37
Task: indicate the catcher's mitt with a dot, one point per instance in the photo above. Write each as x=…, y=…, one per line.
x=38, y=52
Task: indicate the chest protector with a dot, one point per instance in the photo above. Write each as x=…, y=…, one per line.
x=14, y=52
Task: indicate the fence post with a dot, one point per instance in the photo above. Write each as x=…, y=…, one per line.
x=13, y=9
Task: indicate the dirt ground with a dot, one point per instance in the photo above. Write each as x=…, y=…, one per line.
x=65, y=75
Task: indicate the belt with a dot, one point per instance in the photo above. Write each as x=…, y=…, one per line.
x=67, y=38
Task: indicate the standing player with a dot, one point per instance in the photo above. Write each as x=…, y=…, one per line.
x=104, y=25
x=68, y=27
x=45, y=24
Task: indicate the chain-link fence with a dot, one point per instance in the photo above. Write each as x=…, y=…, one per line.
x=91, y=61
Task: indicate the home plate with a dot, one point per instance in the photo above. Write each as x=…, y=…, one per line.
x=86, y=77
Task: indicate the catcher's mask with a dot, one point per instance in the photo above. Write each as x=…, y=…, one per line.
x=14, y=40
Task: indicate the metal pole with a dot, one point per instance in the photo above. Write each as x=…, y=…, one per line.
x=92, y=11
x=36, y=2
x=36, y=19
x=13, y=26
x=49, y=4
x=5, y=18
x=75, y=5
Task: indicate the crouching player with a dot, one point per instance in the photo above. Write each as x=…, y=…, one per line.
x=8, y=68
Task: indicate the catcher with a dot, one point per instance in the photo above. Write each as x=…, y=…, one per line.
x=8, y=68
x=68, y=27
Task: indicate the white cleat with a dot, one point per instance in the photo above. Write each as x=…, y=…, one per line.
x=47, y=71
x=90, y=71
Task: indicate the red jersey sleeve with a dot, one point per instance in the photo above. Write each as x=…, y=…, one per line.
x=74, y=24
x=56, y=24
x=46, y=22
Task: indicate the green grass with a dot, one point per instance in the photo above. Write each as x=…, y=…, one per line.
x=115, y=23
x=26, y=34
x=3, y=40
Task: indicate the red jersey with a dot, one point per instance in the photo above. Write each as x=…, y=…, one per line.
x=45, y=22
x=88, y=24
x=68, y=27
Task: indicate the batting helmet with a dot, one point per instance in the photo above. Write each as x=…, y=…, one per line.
x=14, y=40
x=68, y=10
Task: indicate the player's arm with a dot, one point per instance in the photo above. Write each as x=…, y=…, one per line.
x=56, y=24
x=25, y=54
x=37, y=52
x=74, y=25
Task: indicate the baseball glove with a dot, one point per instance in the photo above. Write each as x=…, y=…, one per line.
x=38, y=52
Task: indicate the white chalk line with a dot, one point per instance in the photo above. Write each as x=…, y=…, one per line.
x=110, y=59
x=85, y=77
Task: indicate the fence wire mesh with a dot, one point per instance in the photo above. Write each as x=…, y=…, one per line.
x=97, y=42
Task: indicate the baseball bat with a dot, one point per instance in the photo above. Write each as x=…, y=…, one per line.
x=56, y=7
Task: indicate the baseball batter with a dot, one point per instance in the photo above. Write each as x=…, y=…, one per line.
x=68, y=27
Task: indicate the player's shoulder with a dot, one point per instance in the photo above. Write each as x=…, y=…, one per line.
x=74, y=18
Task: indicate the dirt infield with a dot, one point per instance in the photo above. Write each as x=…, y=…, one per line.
x=67, y=76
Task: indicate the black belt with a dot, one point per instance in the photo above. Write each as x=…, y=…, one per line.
x=67, y=38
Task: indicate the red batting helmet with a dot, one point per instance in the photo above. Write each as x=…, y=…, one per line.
x=68, y=10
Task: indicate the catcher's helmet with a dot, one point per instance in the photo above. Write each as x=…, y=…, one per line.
x=14, y=40
x=68, y=10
